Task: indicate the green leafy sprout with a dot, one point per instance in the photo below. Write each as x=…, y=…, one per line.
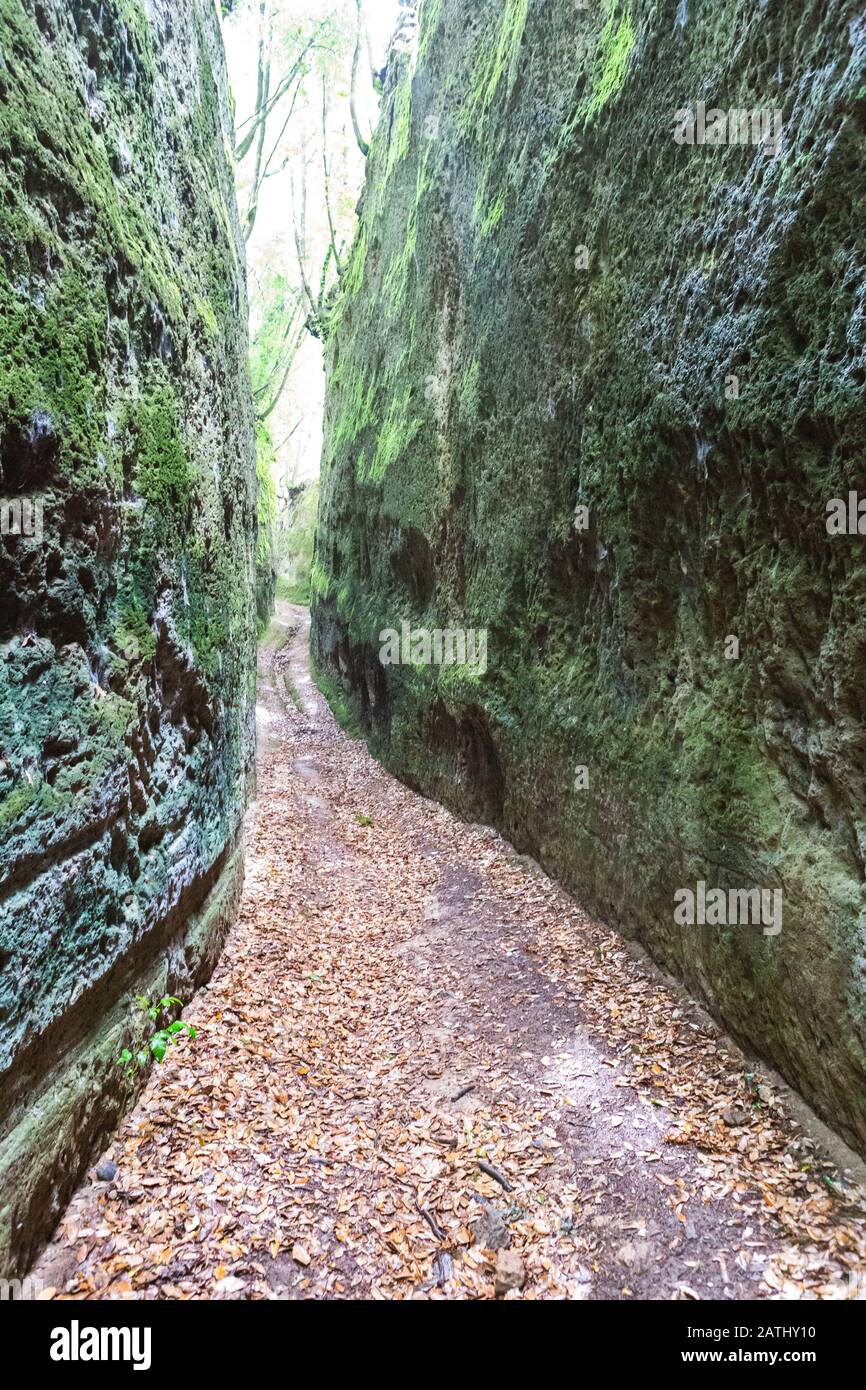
x=158, y=1044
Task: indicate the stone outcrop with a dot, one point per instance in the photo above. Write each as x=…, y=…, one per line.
x=127, y=621
x=595, y=372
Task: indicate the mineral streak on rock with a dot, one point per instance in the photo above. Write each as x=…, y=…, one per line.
x=592, y=384
x=127, y=630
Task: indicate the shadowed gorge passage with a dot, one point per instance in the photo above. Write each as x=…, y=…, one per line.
x=432, y=656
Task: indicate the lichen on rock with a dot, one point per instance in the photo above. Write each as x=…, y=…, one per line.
x=127, y=628
x=570, y=308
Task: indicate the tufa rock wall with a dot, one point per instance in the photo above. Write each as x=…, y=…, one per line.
x=553, y=304
x=127, y=624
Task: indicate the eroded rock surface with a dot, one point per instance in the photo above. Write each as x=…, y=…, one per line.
x=553, y=305
x=126, y=610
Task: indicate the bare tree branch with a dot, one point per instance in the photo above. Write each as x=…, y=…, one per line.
x=267, y=172
x=264, y=412
x=262, y=80
x=363, y=145
x=300, y=231
x=274, y=365
x=264, y=108
x=369, y=45
x=337, y=261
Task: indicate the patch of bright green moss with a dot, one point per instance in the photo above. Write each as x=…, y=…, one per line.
x=207, y=316
x=17, y=802
x=401, y=125
x=493, y=216
x=354, y=277
x=428, y=23
x=163, y=474
x=320, y=582
x=341, y=707
x=133, y=635
x=357, y=414
x=497, y=58
x=397, y=433
x=396, y=286
x=617, y=42
x=38, y=795
x=267, y=492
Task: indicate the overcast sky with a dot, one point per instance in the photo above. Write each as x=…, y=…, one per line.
x=303, y=402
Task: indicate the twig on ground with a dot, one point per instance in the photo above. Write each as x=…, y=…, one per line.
x=464, y=1092
x=431, y=1221
x=495, y=1174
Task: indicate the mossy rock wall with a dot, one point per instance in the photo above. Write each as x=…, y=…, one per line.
x=488, y=376
x=127, y=627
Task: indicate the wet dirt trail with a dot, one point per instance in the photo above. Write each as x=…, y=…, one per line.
x=422, y=1071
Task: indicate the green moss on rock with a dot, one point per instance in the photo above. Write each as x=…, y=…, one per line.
x=127, y=629
x=487, y=378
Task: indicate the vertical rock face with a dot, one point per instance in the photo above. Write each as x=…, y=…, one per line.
x=592, y=387
x=127, y=625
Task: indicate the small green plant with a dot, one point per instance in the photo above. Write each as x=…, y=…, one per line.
x=364, y=820
x=158, y=1044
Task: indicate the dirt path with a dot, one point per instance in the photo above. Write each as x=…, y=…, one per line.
x=401, y=1000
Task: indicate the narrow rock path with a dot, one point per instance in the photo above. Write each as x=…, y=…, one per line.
x=416, y=1046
